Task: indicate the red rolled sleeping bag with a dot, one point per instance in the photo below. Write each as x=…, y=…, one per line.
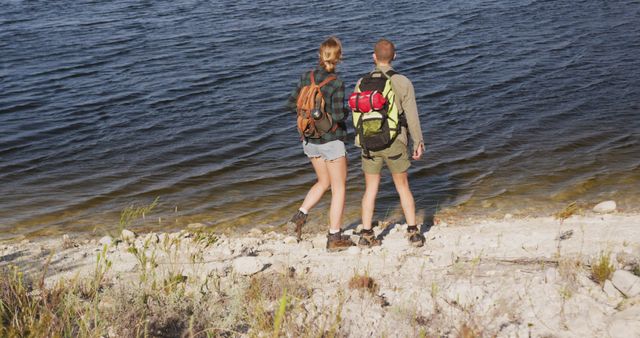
x=367, y=101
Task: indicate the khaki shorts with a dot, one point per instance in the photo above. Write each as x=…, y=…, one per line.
x=396, y=157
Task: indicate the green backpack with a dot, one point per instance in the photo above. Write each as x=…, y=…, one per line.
x=378, y=128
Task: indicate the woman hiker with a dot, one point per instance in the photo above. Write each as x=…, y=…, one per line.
x=318, y=101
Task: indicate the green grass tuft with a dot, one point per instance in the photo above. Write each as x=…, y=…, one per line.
x=602, y=269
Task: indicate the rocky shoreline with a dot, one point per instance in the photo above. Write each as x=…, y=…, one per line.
x=573, y=276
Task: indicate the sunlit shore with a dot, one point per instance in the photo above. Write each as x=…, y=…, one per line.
x=563, y=275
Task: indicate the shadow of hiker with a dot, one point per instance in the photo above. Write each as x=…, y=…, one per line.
x=443, y=193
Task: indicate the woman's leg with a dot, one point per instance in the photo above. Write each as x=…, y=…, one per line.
x=337, y=170
x=317, y=190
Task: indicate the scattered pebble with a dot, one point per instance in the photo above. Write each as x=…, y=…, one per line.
x=128, y=235
x=195, y=226
x=610, y=290
x=255, y=232
x=626, y=282
x=605, y=207
x=106, y=240
x=290, y=240
x=248, y=265
x=354, y=250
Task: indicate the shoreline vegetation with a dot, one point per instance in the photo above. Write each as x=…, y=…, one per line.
x=574, y=273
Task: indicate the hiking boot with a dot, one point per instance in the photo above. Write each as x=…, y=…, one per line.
x=368, y=239
x=415, y=237
x=296, y=222
x=338, y=242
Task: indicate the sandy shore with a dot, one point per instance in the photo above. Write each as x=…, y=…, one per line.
x=530, y=277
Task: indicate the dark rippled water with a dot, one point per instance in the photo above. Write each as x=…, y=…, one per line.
x=525, y=106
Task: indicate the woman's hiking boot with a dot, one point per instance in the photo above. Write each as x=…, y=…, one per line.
x=368, y=239
x=415, y=237
x=338, y=242
x=296, y=223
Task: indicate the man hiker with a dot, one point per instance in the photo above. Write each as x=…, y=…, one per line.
x=382, y=131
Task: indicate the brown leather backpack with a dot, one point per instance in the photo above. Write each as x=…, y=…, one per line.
x=313, y=120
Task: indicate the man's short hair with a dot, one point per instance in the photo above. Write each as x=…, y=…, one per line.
x=384, y=50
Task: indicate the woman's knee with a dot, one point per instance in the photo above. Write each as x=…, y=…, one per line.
x=324, y=184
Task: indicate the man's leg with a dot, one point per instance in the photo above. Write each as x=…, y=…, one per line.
x=416, y=238
x=372, y=182
x=337, y=171
x=401, y=182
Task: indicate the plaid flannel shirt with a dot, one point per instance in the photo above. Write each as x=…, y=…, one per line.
x=333, y=93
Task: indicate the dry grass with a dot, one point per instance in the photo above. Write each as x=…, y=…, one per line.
x=469, y=331
x=602, y=269
x=163, y=306
x=363, y=283
x=567, y=212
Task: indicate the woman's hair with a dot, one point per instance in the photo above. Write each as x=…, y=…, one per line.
x=330, y=53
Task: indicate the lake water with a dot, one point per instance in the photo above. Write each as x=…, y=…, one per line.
x=525, y=106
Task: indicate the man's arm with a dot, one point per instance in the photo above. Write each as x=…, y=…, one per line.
x=410, y=108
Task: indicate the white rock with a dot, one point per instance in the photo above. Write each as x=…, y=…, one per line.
x=348, y=232
x=305, y=245
x=626, y=282
x=627, y=259
x=610, y=290
x=605, y=207
x=255, y=232
x=194, y=226
x=152, y=238
x=279, y=266
x=508, y=216
x=106, y=240
x=290, y=240
x=551, y=275
x=319, y=242
x=248, y=265
x=376, y=249
x=265, y=253
x=353, y=250
x=127, y=235
x=625, y=323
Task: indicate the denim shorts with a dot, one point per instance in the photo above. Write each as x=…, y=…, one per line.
x=328, y=151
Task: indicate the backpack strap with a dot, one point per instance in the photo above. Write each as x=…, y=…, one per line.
x=327, y=80
x=324, y=82
x=312, y=78
x=390, y=73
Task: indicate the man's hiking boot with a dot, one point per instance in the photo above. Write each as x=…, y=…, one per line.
x=296, y=223
x=368, y=239
x=415, y=237
x=338, y=242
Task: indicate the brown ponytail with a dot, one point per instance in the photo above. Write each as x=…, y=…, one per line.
x=330, y=53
